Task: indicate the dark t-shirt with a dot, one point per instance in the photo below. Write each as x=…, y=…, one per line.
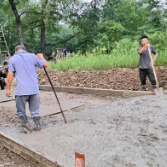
x=145, y=61
x=2, y=75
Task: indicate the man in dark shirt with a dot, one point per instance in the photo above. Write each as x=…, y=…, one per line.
x=145, y=67
x=3, y=76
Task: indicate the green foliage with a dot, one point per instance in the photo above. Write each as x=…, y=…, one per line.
x=110, y=32
x=158, y=40
x=123, y=55
x=98, y=27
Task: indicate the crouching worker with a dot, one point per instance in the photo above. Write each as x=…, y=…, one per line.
x=145, y=67
x=24, y=64
x=3, y=80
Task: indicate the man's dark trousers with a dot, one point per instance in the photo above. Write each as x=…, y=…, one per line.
x=147, y=72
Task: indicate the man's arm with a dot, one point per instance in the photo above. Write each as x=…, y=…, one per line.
x=9, y=82
x=40, y=56
x=143, y=48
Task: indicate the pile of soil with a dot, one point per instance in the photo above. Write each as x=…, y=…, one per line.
x=116, y=79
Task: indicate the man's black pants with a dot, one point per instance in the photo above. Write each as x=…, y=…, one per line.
x=147, y=72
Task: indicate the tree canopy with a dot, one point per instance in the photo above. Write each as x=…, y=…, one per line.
x=44, y=25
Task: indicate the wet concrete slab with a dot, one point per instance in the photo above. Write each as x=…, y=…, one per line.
x=49, y=104
x=126, y=132
x=4, y=98
x=43, y=143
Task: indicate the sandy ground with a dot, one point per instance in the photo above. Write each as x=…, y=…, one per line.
x=122, y=133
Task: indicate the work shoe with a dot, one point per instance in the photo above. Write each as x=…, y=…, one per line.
x=37, y=123
x=154, y=86
x=144, y=88
x=25, y=125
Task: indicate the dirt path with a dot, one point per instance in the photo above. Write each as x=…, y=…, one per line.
x=117, y=79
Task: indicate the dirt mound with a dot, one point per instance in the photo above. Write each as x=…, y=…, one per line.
x=116, y=79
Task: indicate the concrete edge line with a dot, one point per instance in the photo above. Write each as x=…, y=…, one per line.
x=96, y=91
x=26, y=152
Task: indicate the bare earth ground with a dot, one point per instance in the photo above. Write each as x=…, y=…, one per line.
x=10, y=159
x=116, y=79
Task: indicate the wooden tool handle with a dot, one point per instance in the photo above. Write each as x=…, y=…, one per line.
x=153, y=67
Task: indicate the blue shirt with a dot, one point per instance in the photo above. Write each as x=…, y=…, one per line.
x=24, y=65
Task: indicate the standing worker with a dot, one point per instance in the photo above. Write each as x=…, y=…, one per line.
x=145, y=68
x=24, y=64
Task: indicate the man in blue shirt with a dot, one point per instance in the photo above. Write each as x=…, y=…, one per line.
x=24, y=64
x=145, y=67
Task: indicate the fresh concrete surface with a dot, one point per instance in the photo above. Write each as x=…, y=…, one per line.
x=26, y=151
x=46, y=98
x=125, y=133
x=49, y=104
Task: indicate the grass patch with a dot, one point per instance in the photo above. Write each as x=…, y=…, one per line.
x=123, y=56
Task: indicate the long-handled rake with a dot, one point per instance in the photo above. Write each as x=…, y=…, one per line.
x=55, y=94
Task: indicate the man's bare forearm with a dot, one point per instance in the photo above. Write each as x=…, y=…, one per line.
x=45, y=62
x=9, y=80
x=40, y=56
x=142, y=50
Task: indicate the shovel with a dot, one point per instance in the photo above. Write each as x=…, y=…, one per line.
x=158, y=91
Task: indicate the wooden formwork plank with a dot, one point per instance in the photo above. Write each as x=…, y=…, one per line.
x=96, y=91
x=26, y=152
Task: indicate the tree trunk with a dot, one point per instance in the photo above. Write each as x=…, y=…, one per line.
x=43, y=5
x=18, y=21
x=43, y=37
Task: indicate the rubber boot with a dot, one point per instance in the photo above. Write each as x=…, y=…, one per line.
x=25, y=124
x=37, y=123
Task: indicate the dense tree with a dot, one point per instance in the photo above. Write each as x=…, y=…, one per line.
x=80, y=26
x=14, y=4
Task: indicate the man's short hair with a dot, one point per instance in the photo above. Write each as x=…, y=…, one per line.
x=19, y=47
x=144, y=37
